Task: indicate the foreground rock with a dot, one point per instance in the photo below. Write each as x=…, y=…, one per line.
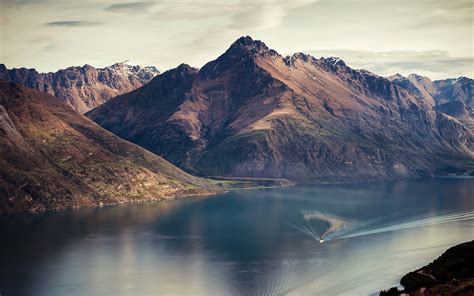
x=451, y=274
x=254, y=113
x=52, y=157
x=83, y=88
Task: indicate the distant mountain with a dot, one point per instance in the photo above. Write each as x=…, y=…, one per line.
x=52, y=157
x=254, y=113
x=83, y=88
x=459, y=89
x=453, y=97
x=420, y=85
x=439, y=91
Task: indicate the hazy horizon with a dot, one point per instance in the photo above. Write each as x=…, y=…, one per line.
x=429, y=37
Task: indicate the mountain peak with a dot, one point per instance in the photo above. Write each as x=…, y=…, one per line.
x=333, y=61
x=186, y=69
x=249, y=43
x=246, y=44
x=126, y=63
x=417, y=77
x=182, y=70
x=462, y=79
x=396, y=76
x=129, y=63
x=243, y=50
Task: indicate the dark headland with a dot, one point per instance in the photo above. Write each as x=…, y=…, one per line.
x=450, y=274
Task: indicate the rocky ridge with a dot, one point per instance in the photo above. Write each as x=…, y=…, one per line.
x=83, y=88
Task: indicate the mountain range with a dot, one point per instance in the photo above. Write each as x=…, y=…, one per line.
x=251, y=115
x=52, y=157
x=255, y=113
x=83, y=88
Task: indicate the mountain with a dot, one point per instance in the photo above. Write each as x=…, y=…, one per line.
x=52, y=157
x=459, y=89
x=453, y=97
x=420, y=85
x=83, y=88
x=438, y=92
x=254, y=113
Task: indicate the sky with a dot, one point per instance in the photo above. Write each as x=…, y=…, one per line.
x=427, y=37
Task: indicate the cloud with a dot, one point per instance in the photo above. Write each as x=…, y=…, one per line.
x=436, y=64
x=241, y=15
x=264, y=14
x=72, y=24
x=131, y=7
x=194, y=12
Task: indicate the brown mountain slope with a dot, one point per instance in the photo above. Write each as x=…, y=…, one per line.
x=54, y=158
x=252, y=112
x=83, y=88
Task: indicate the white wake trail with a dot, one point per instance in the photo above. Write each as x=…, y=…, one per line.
x=446, y=218
x=335, y=224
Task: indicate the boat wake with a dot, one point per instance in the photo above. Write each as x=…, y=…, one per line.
x=335, y=224
x=426, y=221
x=340, y=228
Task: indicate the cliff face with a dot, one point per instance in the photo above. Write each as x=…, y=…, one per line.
x=252, y=112
x=83, y=88
x=51, y=157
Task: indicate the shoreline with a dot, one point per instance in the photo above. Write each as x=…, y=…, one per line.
x=231, y=188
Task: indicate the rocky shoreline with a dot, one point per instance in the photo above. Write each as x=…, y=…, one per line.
x=450, y=274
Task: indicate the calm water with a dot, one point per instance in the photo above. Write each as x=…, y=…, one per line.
x=241, y=243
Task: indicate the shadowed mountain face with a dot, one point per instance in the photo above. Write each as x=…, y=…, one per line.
x=54, y=158
x=83, y=88
x=453, y=97
x=253, y=112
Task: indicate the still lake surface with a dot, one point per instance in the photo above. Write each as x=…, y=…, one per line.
x=248, y=242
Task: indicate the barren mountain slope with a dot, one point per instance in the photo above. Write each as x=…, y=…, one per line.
x=252, y=112
x=54, y=158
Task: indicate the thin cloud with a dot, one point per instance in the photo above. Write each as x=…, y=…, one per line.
x=244, y=15
x=72, y=24
x=131, y=7
x=264, y=14
x=207, y=11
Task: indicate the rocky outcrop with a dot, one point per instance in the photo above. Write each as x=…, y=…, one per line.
x=83, y=88
x=52, y=157
x=254, y=113
x=451, y=274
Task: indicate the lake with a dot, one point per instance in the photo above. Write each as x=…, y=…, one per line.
x=247, y=242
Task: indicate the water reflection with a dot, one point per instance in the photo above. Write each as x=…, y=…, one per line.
x=238, y=243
